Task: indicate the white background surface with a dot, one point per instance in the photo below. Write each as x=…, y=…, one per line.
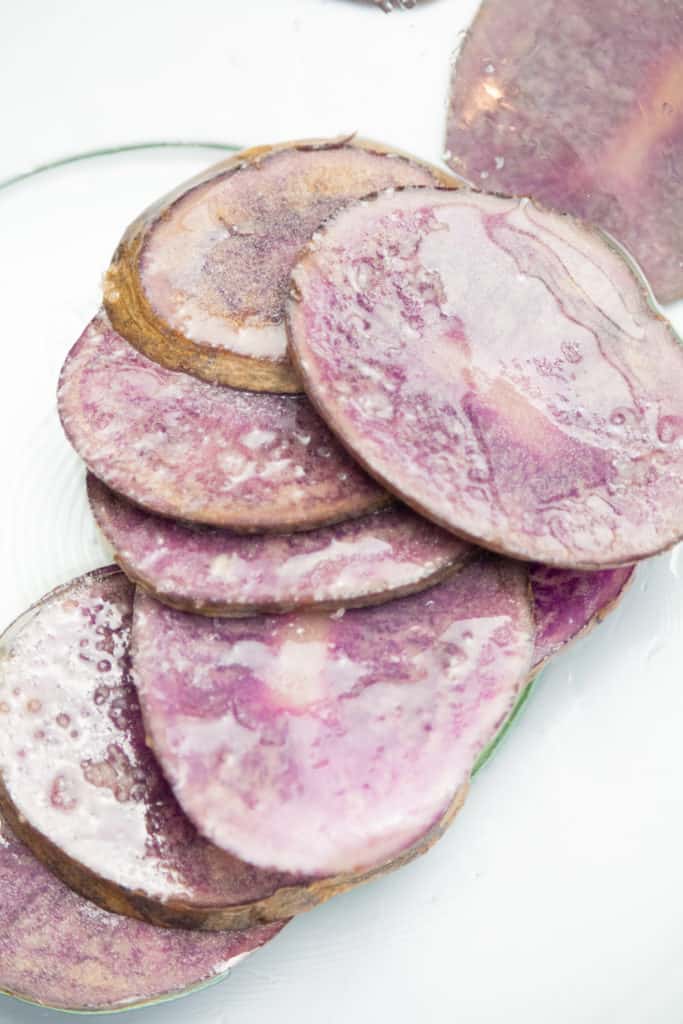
x=557, y=894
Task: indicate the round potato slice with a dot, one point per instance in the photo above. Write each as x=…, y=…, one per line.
x=80, y=786
x=330, y=745
x=59, y=951
x=216, y=572
x=567, y=604
x=580, y=105
x=200, y=452
x=498, y=367
x=199, y=279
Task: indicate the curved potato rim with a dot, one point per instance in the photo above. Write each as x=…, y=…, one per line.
x=134, y=319
x=222, y=609
x=497, y=546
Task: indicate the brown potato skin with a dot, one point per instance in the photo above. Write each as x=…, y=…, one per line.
x=280, y=906
x=134, y=319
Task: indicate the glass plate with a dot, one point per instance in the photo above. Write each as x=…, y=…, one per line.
x=556, y=895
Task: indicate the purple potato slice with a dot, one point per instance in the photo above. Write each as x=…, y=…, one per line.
x=579, y=104
x=330, y=745
x=199, y=280
x=499, y=367
x=363, y=561
x=200, y=452
x=568, y=603
x=59, y=950
x=80, y=786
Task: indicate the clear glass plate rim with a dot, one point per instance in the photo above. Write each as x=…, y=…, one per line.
x=115, y=150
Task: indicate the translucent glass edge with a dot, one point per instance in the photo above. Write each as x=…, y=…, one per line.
x=168, y=997
x=488, y=751
x=131, y=147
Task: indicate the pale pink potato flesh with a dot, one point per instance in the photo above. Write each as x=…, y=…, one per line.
x=206, y=570
x=499, y=367
x=323, y=744
x=188, y=449
x=579, y=104
x=215, y=266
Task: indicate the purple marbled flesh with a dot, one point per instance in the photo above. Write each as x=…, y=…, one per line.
x=325, y=743
x=568, y=602
x=579, y=103
x=58, y=950
x=74, y=761
x=215, y=266
x=201, y=452
x=498, y=367
x=217, y=571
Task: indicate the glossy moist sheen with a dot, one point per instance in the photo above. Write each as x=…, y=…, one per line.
x=58, y=950
x=196, y=451
x=499, y=367
x=75, y=767
x=567, y=602
x=329, y=743
x=359, y=562
x=579, y=103
x=207, y=269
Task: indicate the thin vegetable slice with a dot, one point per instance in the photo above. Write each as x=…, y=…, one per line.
x=79, y=784
x=363, y=561
x=58, y=950
x=332, y=745
x=567, y=604
x=500, y=368
x=579, y=104
x=199, y=279
x=190, y=450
